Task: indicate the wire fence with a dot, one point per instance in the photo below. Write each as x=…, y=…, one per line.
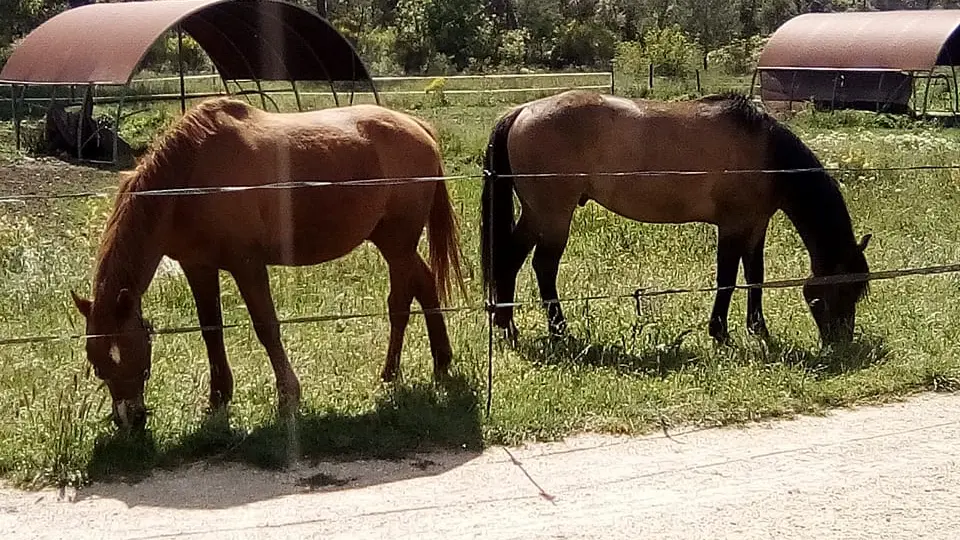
x=373, y=182
x=637, y=295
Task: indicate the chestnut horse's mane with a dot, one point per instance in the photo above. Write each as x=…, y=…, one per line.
x=174, y=151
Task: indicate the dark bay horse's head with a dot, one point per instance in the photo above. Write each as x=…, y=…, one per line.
x=119, y=348
x=834, y=306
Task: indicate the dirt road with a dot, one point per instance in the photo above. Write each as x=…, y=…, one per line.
x=877, y=473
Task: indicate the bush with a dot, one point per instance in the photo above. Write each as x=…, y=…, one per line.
x=162, y=56
x=7, y=50
x=378, y=48
x=512, y=51
x=630, y=60
x=584, y=44
x=739, y=57
x=669, y=50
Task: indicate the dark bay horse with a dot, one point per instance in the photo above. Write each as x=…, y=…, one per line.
x=224, y=142
x=588, y=133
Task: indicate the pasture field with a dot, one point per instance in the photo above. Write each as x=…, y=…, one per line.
x=617, y=372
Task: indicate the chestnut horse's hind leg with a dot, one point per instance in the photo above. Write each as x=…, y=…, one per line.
x=205, y=284
x=426, y=293
x=730, y=248
x=254, y=284
x=398, y=304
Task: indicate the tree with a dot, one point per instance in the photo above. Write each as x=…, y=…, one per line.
x=712, y=22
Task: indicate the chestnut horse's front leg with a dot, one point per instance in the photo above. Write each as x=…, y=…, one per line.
x=204, y=283
x=254, y=284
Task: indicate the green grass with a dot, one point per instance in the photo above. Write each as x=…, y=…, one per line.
x=617, y=372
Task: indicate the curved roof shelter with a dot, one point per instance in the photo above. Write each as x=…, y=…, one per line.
x=858, y=57
x=245, y=39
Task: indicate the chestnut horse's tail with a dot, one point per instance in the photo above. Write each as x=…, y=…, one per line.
x=496, y=203
x=444, y=235
x=443, y=232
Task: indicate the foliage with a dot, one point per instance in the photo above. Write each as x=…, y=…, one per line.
x=584, y=44
x=669, y=50
x=738, y=57
x=446, y=36
x=711, y=22
x=162, y=55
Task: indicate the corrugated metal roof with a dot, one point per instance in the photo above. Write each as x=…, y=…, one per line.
x=245, y=39
x=901, y=40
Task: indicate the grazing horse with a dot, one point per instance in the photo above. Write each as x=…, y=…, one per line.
x=225, y=142
x=579, y=135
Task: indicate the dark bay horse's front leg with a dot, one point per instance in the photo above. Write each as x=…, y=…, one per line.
x=753, y=271
x=204, y=282
x=730, y=248
x=254, y=284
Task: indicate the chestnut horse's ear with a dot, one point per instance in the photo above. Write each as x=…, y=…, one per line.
x=864, y=241
x=124, y=304
x=83, y=305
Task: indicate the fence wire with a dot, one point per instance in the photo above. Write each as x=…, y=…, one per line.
x=292, y=185
x=637, y=295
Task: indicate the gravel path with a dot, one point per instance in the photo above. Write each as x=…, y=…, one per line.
x=877, y=473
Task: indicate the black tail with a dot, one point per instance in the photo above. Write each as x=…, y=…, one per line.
x=496, y=202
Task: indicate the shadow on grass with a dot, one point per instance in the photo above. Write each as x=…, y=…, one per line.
x=414, y=430
x=830, y=361
x=653, y=358
x=657, y=354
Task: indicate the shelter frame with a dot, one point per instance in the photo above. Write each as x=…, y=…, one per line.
x=834, y=58
x=246, y=40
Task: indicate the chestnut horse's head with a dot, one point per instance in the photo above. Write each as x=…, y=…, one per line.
x=119, y=349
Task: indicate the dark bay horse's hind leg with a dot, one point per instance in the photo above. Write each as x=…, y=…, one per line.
x=753, y=272
x=546, y=264
x=254, y=284
x=730, y=248
x=204, y=283
x=522, y=241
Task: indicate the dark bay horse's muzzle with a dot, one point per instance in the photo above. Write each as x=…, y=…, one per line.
x=129, y=414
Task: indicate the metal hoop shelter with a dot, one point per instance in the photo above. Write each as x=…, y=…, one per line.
x=248, y=41
x=862, y=60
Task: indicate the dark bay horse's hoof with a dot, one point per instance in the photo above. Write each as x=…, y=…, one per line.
x=760, y=332
x=719, y=333
x=511, y=333
x=557, y=330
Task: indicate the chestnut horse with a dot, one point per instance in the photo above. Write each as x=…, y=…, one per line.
x=588, y=133
x=225, y=142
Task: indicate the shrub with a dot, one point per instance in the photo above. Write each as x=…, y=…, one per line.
x=669, y=50
x=738, y=57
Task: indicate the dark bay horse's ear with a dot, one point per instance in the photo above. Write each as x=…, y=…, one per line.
x=864, y=241
x=83, y=305
x=124, y=304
